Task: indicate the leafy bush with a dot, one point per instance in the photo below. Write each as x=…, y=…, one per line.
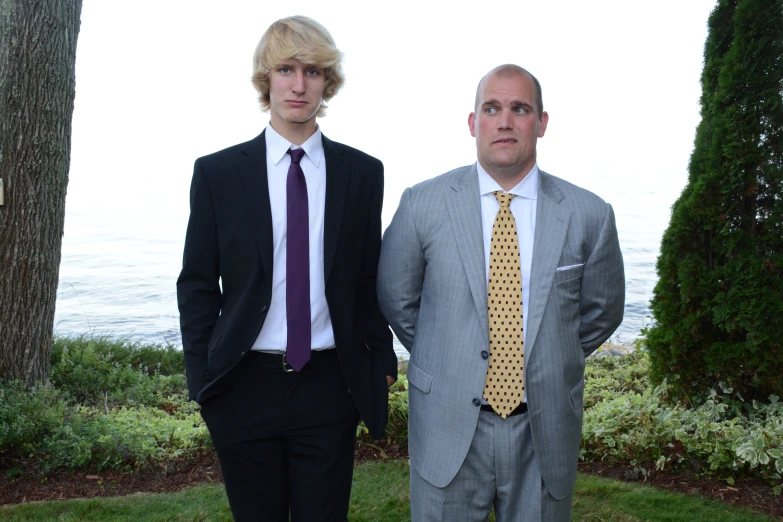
x=39, y=429
x=397, y=427
x=167, y=360
x=723, y=435
x=114, y=373
x=109, y=404
x=606, y=377
x=27, y=416
x=125, y=438
x=132, y=418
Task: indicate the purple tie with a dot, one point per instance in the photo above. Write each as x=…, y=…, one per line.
x=297, y=265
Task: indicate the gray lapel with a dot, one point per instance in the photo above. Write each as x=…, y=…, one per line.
x=551, y=229
x=464, y=208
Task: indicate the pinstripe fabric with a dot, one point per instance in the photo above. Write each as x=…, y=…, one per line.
x=502, y=471
x=432, y=287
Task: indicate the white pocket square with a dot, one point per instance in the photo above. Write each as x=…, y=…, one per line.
x=569, y=267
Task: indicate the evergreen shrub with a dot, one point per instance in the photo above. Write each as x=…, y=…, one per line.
x=718, y=304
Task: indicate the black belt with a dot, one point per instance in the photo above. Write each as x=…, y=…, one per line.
x=277, y=360
x=522, y=408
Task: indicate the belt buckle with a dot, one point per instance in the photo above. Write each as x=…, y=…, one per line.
x=287, y=368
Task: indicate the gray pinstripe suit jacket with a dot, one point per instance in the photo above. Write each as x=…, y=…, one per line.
x=432, y=288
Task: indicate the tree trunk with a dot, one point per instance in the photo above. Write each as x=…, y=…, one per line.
x=37, y=87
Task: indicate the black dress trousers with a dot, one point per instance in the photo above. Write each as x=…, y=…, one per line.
x=285, y=439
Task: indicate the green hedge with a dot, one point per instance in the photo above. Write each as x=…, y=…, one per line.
x=109, y=404
x=117, y=410
x=41, y=431
x=114, y=373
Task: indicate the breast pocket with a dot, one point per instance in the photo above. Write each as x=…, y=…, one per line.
x=566, y=292
x=568, y=273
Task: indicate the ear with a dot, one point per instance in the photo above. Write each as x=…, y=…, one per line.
x=542, y=124
x=472, y=124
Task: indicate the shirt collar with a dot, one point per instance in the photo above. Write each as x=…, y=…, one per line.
x=527, y=188
x=277, y=146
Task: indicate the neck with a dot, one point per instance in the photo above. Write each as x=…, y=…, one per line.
x=508, y=178
x=296, y=133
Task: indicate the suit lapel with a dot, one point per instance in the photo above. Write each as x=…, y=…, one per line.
x=338, y=175
x=252, y=172
x=464, y=208
x=551, y=229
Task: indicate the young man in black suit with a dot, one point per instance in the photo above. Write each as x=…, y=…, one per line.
x=284, y=345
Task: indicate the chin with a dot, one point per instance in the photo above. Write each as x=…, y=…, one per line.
x=301, y=118
x=506, y=161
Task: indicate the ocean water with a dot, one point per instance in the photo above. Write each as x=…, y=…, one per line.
x=120, y=264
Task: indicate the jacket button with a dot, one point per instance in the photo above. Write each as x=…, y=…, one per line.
x=485, y=354
x=476, y=402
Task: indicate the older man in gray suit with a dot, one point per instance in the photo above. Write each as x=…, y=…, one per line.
x=499, y=279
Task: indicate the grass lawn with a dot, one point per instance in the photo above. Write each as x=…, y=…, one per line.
x=380, y=494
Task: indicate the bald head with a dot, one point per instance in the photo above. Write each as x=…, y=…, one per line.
x=510, y=70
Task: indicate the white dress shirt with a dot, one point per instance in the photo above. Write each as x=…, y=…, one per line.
x=274, y=333
x=523, y=207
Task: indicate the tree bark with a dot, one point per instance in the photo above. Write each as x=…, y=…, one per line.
x=37, y=89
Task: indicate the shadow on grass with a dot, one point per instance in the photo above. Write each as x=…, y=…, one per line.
x=380, y=494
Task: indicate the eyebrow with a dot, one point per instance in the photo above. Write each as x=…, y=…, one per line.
x=294, y=61
x=515, y=103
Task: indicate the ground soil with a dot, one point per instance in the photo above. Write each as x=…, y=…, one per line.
x=205, y=469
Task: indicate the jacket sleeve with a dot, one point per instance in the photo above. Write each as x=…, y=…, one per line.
x=198, y=288
x=401, y=273
x=379, y=337
x=603, y=288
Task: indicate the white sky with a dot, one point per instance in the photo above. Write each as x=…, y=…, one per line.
x=162, y=82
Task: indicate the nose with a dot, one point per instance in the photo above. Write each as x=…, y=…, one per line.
x=506, y=120
x=299, y=83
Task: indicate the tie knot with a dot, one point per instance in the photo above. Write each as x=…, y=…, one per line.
x=296, y=155
x=504, y=198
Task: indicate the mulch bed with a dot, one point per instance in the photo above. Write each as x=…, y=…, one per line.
x=205, y=469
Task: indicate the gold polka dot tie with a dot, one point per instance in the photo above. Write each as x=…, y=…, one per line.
x=505, y=386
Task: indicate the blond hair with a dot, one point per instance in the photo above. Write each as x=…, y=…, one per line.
x=302, y=39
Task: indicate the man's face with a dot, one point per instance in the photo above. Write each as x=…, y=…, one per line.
x=295, y=93
x=506, y=125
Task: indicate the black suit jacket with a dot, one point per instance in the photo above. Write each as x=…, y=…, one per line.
x=225, y=286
